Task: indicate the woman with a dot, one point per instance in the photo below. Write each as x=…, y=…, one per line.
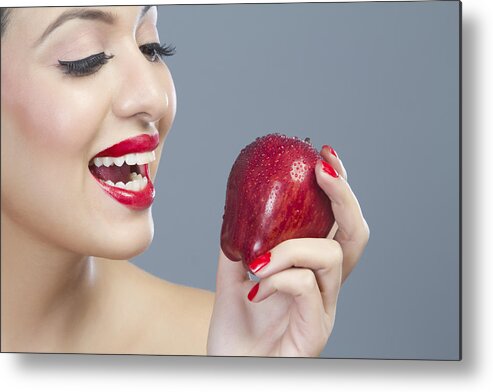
x=87, y=102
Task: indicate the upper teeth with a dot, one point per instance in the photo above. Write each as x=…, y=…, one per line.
x=130, y=159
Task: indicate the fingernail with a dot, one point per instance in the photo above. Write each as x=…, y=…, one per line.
x=260, y=262
x=333, y=152
x=329, y=169
x=253, y=292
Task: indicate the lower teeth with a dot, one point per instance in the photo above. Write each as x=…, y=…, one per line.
x=137, y=183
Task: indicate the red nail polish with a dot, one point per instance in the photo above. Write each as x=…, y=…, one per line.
x=260, y=262
x=253, y=292
x=333, y=152
x=329, y=169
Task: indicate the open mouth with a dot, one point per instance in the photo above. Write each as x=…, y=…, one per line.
x=122, y=170
x=130, y=172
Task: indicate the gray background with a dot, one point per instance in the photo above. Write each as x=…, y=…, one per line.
x=380, y=83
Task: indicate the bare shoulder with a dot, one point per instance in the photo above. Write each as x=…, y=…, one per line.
x=161, y=317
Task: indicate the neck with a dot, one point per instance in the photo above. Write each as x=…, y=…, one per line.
x=43, y=289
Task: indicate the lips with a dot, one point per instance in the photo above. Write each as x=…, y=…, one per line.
x=122, y=170
x=140, y=143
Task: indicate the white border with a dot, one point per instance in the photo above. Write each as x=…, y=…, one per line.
x=474, y=373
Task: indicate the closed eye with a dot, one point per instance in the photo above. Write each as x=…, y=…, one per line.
x=152, y=51
x=85, y=66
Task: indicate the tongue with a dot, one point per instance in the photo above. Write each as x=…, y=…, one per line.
x=113, y=173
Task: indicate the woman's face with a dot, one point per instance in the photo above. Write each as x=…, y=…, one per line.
x=59, y=113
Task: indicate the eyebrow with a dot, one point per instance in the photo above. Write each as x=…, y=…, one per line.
x=87, y=14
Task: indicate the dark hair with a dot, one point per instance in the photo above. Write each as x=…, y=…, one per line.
x=4, y=18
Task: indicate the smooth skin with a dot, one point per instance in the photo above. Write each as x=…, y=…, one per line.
x=67, y=284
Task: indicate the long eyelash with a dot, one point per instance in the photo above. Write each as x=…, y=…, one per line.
x=85, y=66
x=166, y=50
x=155, y=49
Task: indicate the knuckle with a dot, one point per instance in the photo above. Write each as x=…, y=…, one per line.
x=307, y=280
x=337, y=256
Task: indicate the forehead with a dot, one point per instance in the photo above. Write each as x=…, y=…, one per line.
x=28, y=23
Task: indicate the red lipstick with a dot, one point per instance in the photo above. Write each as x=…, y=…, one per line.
x=140, y=143
x=118, y=171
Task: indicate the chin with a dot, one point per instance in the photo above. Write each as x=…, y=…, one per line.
x=125, y=242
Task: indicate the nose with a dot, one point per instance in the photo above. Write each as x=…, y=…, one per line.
x=142, y=90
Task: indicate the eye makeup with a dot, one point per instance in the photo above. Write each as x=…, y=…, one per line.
x=89, y=65
x=154, y=50
x=85, y=66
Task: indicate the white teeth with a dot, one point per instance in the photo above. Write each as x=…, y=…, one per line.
x=141, y=159
x=135, y=176
x=119, y=161
x=146, y=157
x=137, y=183
x=133, y=186
x=130, y=159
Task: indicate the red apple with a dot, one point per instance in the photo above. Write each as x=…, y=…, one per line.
x=272, y=195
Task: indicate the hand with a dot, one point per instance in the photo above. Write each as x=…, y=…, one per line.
x=291, y=311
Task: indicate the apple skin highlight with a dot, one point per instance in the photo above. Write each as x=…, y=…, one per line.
x=272, y=195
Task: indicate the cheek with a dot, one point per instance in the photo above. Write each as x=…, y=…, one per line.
x=47, y=130
x=52, y=116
